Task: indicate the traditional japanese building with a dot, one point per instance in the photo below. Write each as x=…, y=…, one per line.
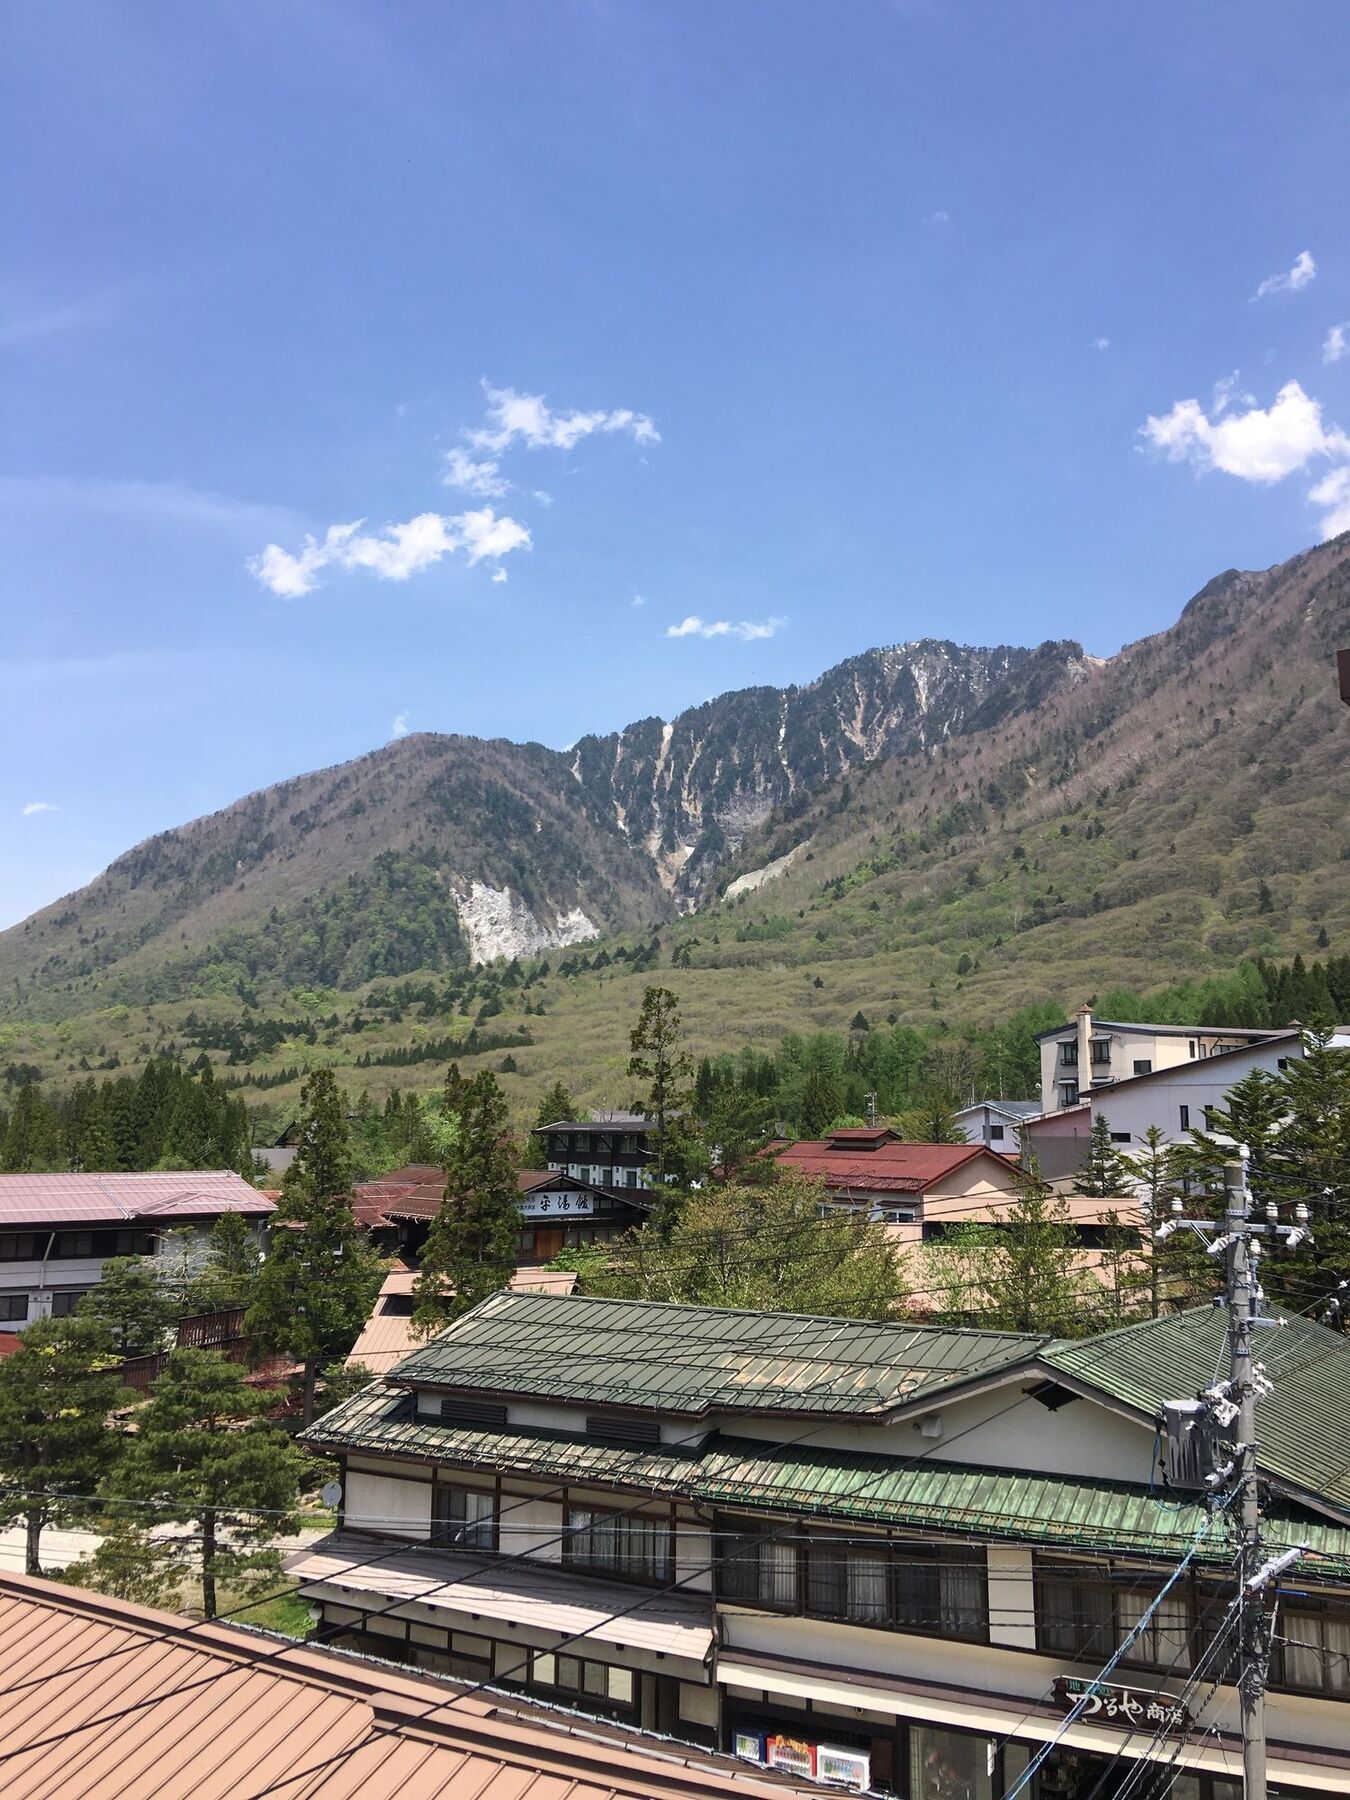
x=886, y=1556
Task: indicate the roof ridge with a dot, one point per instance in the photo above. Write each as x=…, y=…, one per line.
x=750, y=1312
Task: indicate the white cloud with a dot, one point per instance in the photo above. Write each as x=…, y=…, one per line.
x=1101, y=343
x=1228, y=392
x=940, y=217
x=1256, y=445
x=638, y=600
x=747, y=630
x=499, y=575
x=399, y=728
x=401, y=551
x=483, y=478
x=37, y=806
x=1336, y=344
x=1293, y=281
x=528, y=419
x=1333, y=492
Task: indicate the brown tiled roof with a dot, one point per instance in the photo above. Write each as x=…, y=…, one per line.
x=103, y=1699
x=89, y=1199
x=891, y=1168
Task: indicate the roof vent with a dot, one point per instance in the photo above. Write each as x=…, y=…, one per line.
x=457, y=1411
x=623, y=1428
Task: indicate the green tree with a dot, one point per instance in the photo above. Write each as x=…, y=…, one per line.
x=822, y=1102
x=470, y=1250
x=659, y=1061
x=1174, y=1270
x=203, y=1456
x=130, y=1302
x=33, y=1135
x=56, y=1392
x=229, y=1270
x=556, y=1105
x=932, y=1121
x=1029, y=1280
x=1308, y=1162
x=315, y=1289
x=1105, y=1173
x=773, y=1248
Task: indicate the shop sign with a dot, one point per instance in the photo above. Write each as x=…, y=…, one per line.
x=556, y=1205
x=1103, y=1701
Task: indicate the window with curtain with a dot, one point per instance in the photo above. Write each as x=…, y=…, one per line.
x=943, y=1591
x=1315, y=1650
x=626, y=1544
x=845, y=1582
x=1087, y=1609
x=466, y=1518
x=757, y=1565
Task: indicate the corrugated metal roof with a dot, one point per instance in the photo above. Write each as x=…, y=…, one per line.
x=91, y=1199
x=688, y=1359
x=349, y=1562
x=1303, y=1427
x=100, y=1698
x=387, y=1335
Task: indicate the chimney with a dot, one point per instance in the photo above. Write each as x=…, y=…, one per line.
x=1084, y=1017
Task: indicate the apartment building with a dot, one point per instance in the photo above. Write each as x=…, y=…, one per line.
x=882, y=1556
x=1088, y=1054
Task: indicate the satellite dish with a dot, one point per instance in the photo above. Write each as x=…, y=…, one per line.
x=331, y=1493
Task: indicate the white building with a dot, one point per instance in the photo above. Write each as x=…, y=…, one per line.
x=1088, y=1054
x=889, y=1556
x=996, y=1123
x=57, y=1231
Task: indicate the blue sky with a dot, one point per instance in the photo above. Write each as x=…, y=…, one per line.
x=818, y=325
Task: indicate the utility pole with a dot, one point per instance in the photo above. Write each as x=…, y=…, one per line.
x=1242, y=1252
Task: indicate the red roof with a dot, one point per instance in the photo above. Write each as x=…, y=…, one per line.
x=9, y=1343
x=892, y=1168
x=86, y=1199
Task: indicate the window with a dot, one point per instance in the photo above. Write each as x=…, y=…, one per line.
x=1313, y=1647
x=65, y=1302
x=1143, y=1065
x=941, y=1591
x=627, y=1544
x=1185, y=1112
x=466, y=1517
x=1120, y=1137
x=847, y=1583
x=1068, y=1093
x=1190, y=1048
x=103, y=1243
x=579, y=1675
x=948, y=1765
x=753, y=1565
x=1101, y=1051
x=582, y=1141
x=22, y=1246
x=996, y=1134
x=1068, y=1053
x=632, y=1177
x=13, y=1306
x=1086, y=1610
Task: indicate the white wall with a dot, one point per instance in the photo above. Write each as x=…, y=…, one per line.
x=380, y=1503
x=1134, y=1106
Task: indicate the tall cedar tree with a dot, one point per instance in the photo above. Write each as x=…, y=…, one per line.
x=229, y=1271
x=56, y=1392
x=557, y=1104
x=132, y=1304
x=660, y=1062
x=315, y=1290
x=203, y=1456
x=470, y=1250
x=1309, y=1161
x=1175, y=1271
x=774, y=1247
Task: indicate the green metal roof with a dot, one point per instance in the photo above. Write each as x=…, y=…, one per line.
x=746, y=1474
x=1302, y=1428
x=690, y=1359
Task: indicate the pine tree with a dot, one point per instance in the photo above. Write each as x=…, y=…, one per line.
x=229, y=1270
x=203, y=1456
x=315, y=1290
x=932, y=1121
x=470, y=1250
x=56, y=1392
x=821, y=1103
x=1174, y=1270
x=1105, y=1174
x=1309, y=1162
x=132, y=1305
x=556, y=1104
x=1029, y=1281
x=33, y=1135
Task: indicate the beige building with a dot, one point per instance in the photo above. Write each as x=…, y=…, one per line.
x=1088, y=1054
x=884, y=1556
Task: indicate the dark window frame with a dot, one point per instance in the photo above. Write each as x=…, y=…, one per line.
x=578, y=1545
x=1097, y=1623
x=451, y=1526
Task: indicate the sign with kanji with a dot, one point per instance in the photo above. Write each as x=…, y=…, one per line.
x=557, y=1204
x=1105, y=1703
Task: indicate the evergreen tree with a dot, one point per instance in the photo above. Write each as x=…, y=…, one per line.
x=1174, y=1270
x=131, y=1304
x=315, y=1289
x=229, y=1270
x=32, y=1136
x=932, y=1121
x=203, y=1456
x=1309, y=1162
x=470, y=1250
x=821, y=1102
x=555, y=1106
x=1028, y=1280
x=1105, y=1175
x=56, y=1392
